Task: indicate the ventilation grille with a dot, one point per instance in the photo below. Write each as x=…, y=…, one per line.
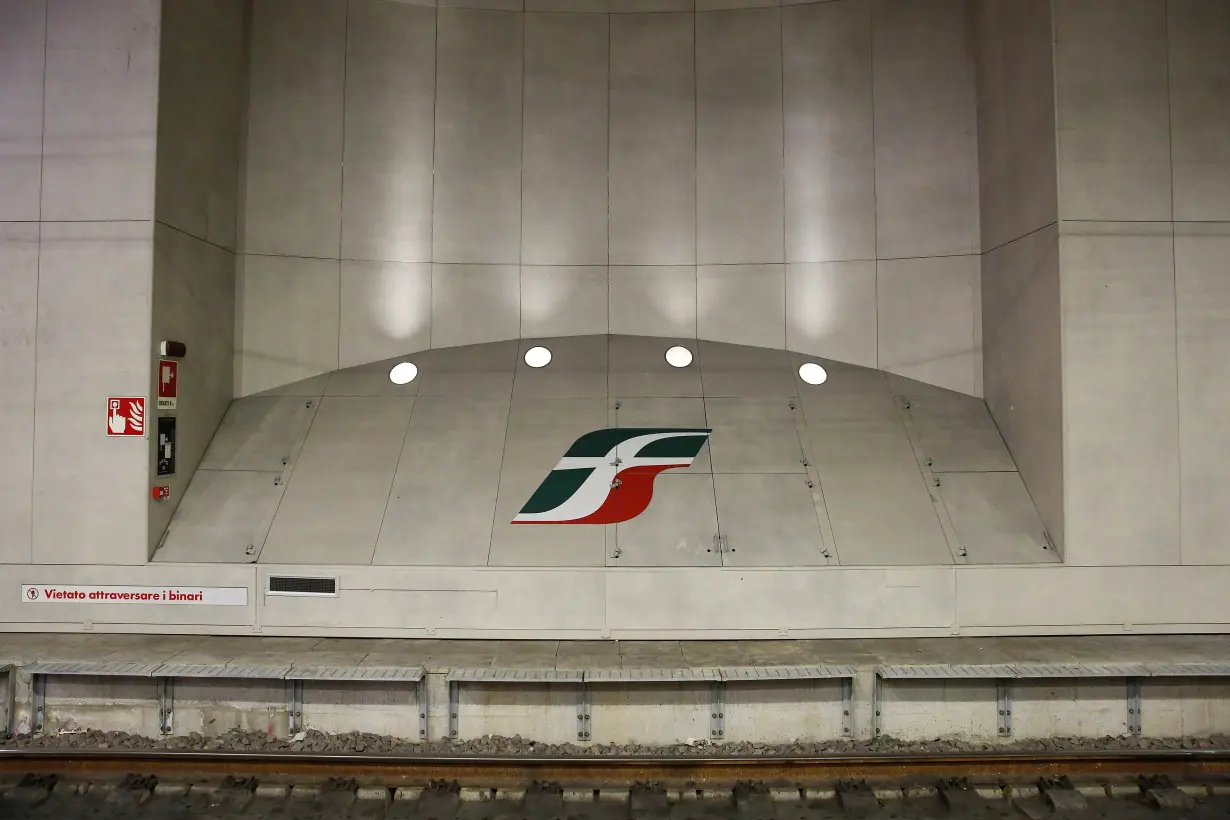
x=293, y=585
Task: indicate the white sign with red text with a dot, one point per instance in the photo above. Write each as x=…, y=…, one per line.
x=78, y=594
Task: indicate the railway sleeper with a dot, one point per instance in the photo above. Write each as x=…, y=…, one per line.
x=857, y=797
x=31, y=790
x=959, y=796
x=753, y=799
x=544, y=799
x=648, y=800
x=1160, y=793
x=1060, y=795
x=440, y=800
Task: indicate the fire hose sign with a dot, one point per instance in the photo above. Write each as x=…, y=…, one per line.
x=199, y=596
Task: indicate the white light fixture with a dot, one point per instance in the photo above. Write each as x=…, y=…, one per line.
x=812, y=373
x=678, y=356
x=403, y=373
x=538, y=357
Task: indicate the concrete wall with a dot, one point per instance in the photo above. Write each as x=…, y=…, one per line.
x=78, y=88
x=1143, y=102
x=801, y=177
x=774, y=712
x=201, y=106
x=1020, y=243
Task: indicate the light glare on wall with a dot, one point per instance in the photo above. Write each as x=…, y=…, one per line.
x=538, y=357
x=403, y=373
x=812, y=373
x=678, y=356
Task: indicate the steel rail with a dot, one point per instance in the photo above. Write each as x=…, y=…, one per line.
x=508, y=771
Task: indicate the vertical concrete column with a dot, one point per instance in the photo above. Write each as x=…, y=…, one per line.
x=864, y=703
x=1117, y=282
x=94, y=276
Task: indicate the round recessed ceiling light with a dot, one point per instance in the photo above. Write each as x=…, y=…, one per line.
x=678, y=356
x=538, y=357
x=403, y=373
x=812, y=373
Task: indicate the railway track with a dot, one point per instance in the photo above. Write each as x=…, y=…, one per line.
x=67, y=783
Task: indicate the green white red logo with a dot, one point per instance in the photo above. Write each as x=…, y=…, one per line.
x=607, y=476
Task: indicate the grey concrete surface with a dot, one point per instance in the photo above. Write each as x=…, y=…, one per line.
x=440, y=655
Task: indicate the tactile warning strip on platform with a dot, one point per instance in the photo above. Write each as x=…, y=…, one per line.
x=408, y=674
x=221, y=670
x=512, y=676
x=96, y=668
x=736, y=673
x=1016, y=670
x=652, y=675
x=1188, y=670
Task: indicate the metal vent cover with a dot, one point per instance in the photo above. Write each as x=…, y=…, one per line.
x=301, y=585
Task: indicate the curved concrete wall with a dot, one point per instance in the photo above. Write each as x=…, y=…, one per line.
x=801, y=176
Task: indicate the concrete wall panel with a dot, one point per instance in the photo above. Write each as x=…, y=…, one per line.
x=385, y=310
x=100, y=110
x=471, y=304
x=1016, y=119
x=478, y=137
x=1120, y=405
x=564, y=300
x=831, y=310
x=94, y=298
x=926, y=320
x=925, y=129
x=652, y=209
x=286, y=320
x=697, y=599
x=1198, y=35
x=335, y=504
x=23, y=42
x=202, y=91
x=18, y=319
x=653, y=300
x=1022, y=356
x=564, y=163
x=830, y=187
x=1202, y=293
x=294, y=150
x=389, y=132
x=294, y=144
x=1112, y=110
x=742, y=304
x=739, y=138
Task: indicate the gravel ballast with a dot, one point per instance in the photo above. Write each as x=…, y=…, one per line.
x=315, y=742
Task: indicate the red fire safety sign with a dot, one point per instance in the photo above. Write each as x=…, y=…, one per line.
x=168, y=384
x=126, y=416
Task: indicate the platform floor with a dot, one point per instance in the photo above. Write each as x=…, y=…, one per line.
x=440, y=655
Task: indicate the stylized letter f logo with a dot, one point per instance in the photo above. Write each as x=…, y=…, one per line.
x=607, y=476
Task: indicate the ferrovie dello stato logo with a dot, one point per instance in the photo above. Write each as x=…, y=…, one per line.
x=607, y=476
